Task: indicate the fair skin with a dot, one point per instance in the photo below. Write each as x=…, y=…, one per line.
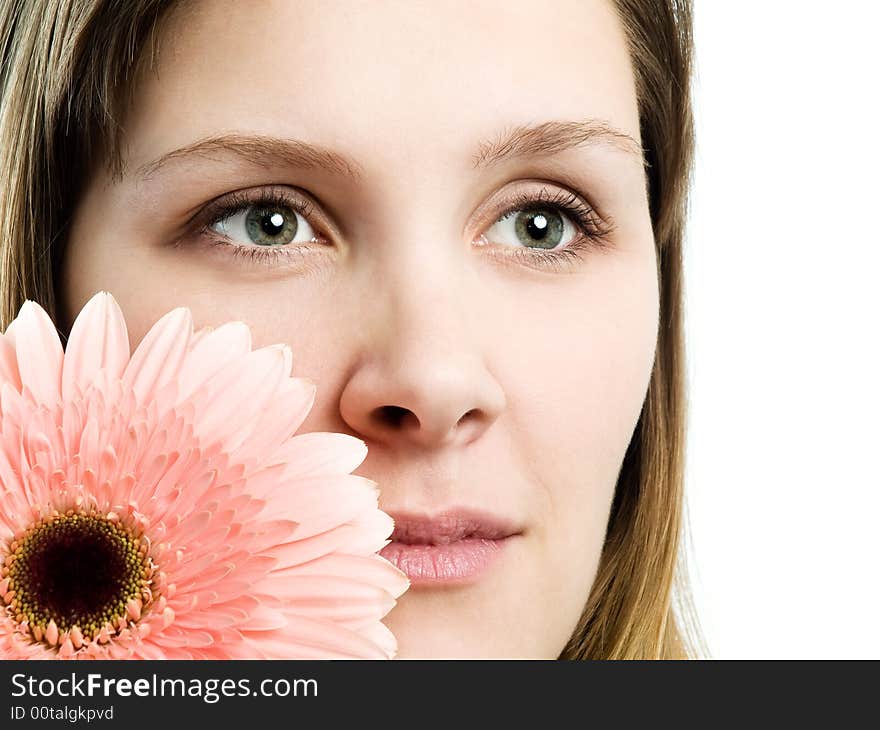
x=520, y=384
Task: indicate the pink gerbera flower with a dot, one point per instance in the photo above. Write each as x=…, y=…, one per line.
x=159, y=505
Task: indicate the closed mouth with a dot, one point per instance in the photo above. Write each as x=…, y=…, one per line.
x=456, y=546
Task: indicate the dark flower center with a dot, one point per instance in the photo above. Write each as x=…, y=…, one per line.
x=78, y=570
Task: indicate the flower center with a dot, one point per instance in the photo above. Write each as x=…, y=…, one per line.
x=78, y=570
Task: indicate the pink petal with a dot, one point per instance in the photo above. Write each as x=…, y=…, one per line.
x=302, y=633
x=379, y=634
x=39, y=353
x=9, y=363
x=321, y=452
x=157, y=358
x=317, y=503
x=213, y=351
x=333, y=598
x=351, y=537
x=264, y=618
x=246, y=387
x=98, y=339
x=281, y=418
x=372, y=570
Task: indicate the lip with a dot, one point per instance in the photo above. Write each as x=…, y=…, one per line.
x=456, y=546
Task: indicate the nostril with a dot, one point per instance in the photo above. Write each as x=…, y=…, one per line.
x=395, y=416
x=469, y=414
x=390, y=415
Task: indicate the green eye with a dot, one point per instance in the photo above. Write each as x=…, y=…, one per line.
x=533, y=227
x=539, y=228
x=264, y=223
x=270, y=226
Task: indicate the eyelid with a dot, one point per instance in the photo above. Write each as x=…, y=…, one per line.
x=572, y=205
x=236, y=201
x=523, y=191
x=592, y=231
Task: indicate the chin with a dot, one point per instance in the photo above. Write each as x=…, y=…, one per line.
x=422, y=647
x=459, y=632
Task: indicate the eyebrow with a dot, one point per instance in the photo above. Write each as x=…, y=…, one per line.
x=260, y=151
x=547, y=138
x=544, y=138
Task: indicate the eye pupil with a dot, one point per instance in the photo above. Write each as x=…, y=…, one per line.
x=538, y=226
x=273, y=223
x=543, y=227
x=271, y=226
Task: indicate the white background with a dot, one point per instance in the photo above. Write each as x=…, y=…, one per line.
x=783, y=323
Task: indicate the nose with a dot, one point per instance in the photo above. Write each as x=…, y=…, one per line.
x=421, y=378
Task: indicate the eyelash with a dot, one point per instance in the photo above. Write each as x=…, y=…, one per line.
x=592, y=231
x=239, y=202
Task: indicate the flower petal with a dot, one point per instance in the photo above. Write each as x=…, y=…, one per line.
x=8, y=363
x=317, y=503
x=281, y=418
x=157, y=358
x=302, y=635
x=246, y=387
x=366, y=534
x=372, y=570
x=213, y=351
x=320, y=452
x=98, y=339
x=39, y=353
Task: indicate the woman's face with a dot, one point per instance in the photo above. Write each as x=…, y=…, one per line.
x=412, y=176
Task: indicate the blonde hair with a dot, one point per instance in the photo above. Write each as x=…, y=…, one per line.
x=68, y=69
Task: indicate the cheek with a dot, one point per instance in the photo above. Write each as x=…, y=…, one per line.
x=576, y=376
x=148, y=282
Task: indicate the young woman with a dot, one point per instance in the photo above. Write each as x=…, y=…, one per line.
x=466, y=221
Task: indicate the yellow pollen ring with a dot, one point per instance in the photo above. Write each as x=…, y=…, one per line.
x=77, y=576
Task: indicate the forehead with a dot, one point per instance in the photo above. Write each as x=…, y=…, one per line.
x=387, y=80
